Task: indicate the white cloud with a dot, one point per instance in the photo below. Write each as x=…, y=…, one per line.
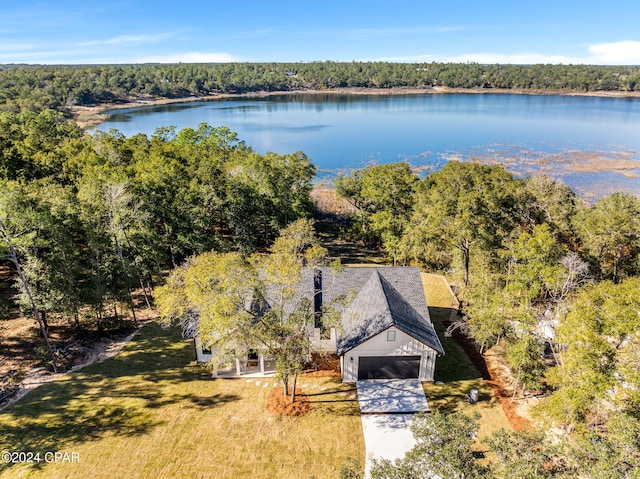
x=128, y=39
x=76, y=56
x=408, y=59
x=35, y=55
x=191, y=57
x=488, y=58
x=616, y=53
x=14, y=47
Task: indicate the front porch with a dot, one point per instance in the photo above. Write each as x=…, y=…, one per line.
x=250, y=368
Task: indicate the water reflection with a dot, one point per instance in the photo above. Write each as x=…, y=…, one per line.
x=527, y=133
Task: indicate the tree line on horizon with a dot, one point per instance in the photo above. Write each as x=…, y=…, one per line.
x=62, y=86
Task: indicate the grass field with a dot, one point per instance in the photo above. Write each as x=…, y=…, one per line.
x=150, y=413
x=455, y=370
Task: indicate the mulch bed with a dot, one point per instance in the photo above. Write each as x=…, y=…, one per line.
x=281, y=405
x=323, y=366
x=492, y=379
x=324, y=362
x=322, y=373
x=518, y=423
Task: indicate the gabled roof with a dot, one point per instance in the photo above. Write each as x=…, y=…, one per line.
x=378, y=305
x=377, y=298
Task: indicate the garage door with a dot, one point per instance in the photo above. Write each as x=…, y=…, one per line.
x=388, y=367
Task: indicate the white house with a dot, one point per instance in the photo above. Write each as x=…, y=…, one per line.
x=386, y=330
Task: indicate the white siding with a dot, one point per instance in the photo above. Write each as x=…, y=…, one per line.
x=326, y=345
x=404, y=345
x=320, y=344
x=200, y=356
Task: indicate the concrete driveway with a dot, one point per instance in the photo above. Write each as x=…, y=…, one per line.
x=386, y=411
x=391, y=396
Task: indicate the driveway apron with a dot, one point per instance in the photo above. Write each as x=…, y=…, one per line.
x=386, y=410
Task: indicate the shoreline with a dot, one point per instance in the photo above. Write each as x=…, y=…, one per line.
x=90, y=116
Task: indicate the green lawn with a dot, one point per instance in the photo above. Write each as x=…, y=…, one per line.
x=149, y=412
x=455, y=370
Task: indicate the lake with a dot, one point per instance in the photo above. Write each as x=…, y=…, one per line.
x=590, y=143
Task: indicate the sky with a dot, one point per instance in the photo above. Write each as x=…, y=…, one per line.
x=145, y=31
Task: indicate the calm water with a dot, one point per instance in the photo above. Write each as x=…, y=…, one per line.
x=593, y=144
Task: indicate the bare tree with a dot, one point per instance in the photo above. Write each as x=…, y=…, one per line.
x=121, y=210
x=576, y=276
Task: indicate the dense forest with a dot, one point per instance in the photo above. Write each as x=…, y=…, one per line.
x=87, y=219
x=60, y=87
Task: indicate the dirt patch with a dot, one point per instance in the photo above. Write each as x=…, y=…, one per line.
x=496, y=374
x=332, y=227
x=19, y=340
x=24, y=358
x=281, y=405
x=500, y=382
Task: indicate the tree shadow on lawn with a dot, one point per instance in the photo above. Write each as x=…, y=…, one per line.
x=457, y=363
x=118, y=396
x=351, y=389
x=452, y=397
x=333, y=403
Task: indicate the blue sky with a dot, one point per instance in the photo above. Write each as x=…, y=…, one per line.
x=140, y=31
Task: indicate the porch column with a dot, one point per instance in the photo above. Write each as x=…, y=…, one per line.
x=261, y=359
x=238, y=369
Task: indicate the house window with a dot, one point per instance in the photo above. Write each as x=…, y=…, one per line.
x=252, y=357
x=325, y=333
x=391, y=335
x=206, y=349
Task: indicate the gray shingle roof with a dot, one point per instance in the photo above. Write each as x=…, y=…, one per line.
x=389, y=297
x=377, y=298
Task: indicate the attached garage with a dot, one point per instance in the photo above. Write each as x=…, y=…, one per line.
x=387, y=333
x=388, y=367
x=380, y=357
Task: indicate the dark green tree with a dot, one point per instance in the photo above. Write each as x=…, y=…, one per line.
x=597, y=371
x=610, y=233
x=460, y=210
x=383, y=195
x=444, y=449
